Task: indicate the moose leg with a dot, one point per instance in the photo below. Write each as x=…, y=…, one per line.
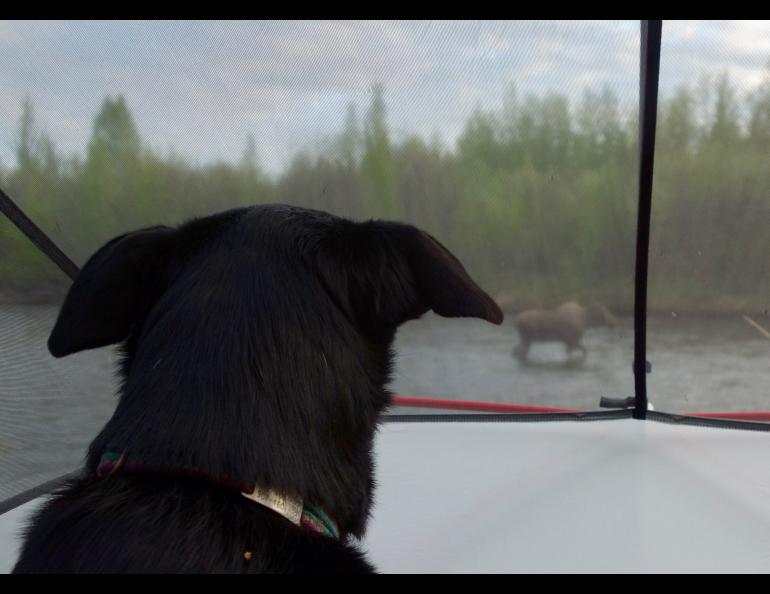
x=521, y=350
x=576, y=346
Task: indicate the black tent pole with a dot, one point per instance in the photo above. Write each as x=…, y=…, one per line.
x=649, y=65
x=9, y=208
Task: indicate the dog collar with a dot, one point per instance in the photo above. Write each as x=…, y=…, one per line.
x=296, y=511
x=292, y=508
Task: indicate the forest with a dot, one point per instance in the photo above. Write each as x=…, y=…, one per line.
x=537, y=198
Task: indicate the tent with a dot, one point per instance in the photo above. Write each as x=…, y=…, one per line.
x=614, y=162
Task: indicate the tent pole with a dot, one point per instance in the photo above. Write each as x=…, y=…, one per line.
x=649, y=64
x=37, y=236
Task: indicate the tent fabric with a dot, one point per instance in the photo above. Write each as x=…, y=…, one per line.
x=615, y=496
x=606, y=496
x=499, y=497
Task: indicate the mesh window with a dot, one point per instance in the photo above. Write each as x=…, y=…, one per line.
x=50, y=409
x=514, y=143
x=709, y=327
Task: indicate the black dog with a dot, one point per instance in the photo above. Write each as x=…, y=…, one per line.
x=257, y=344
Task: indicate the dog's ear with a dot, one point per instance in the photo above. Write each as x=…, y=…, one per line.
x=386, y=273
x=110, y=290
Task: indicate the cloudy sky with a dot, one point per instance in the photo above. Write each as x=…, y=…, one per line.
x=202, y=87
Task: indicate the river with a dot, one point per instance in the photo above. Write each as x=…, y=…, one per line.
x=50, y=408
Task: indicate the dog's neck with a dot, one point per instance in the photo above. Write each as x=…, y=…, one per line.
x=291, y=507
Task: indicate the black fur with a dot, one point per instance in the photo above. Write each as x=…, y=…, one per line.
x=256, y=347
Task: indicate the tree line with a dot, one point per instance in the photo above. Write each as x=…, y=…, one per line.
x=537, y=198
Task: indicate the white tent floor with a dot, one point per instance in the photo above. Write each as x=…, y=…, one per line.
x=603, y=496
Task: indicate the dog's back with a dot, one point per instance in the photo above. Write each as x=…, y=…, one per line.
x=256, y=351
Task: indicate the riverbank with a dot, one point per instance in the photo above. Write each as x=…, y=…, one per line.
x=46, y=295
x=660, y=308
x=758, y=309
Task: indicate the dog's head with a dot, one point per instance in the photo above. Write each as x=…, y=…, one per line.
x=257, y=342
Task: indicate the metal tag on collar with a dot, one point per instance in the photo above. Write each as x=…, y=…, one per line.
x=289, y=507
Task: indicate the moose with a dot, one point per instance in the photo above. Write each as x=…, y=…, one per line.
x=566, y=324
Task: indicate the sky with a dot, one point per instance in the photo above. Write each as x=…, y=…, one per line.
x=202, y=88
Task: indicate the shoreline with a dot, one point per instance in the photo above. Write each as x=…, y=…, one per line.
x=53, y=297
